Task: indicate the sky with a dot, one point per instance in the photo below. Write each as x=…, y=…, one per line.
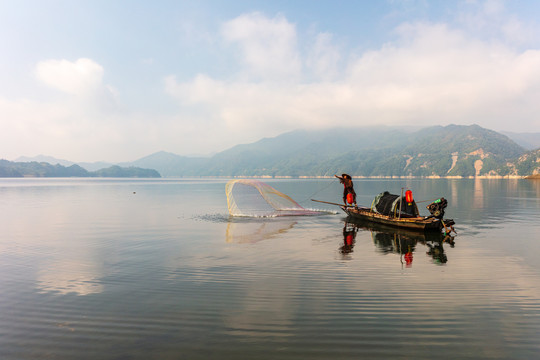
x=118, y=80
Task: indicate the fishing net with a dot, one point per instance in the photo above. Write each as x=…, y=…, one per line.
x=255, y=198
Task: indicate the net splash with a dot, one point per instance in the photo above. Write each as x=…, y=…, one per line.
x=254, y=198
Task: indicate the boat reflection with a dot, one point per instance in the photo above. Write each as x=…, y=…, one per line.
x=397, y=241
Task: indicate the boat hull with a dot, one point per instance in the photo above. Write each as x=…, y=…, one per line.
x=416, y=223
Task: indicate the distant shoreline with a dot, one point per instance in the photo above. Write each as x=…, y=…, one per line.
x=277, y=177
x=355, y=177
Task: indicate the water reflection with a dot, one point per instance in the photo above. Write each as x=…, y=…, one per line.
x=389, y=240
x=478, y=196
x=535, y=186
x=349, y=239
x=70, y=277
x=254, y=230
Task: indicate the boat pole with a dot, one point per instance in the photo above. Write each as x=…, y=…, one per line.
x=331, y=203
x=400, y=202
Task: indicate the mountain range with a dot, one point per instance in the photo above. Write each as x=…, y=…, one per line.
x=45, y=169
x=452, y=150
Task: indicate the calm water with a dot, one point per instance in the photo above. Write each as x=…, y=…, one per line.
x=155, y=269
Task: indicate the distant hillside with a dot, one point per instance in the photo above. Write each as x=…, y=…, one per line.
x=526, y=164
x=93, y=166
x=529, y=141
x=131, y=171
x=168, y=164
x=378, y=151
x=439, y=151
x=452, y=150
x=43, y=158
x=44, y=169
x=300, y=152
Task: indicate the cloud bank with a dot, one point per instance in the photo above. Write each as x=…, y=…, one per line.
x=430, y=74
x=79, y=77
x=280, y=77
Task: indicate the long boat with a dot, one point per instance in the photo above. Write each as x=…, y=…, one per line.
x=420, y=223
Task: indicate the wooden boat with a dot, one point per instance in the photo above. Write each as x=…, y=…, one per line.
x=416, y=223
x=419, y=223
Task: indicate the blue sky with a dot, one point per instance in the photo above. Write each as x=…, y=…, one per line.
x=118, y=80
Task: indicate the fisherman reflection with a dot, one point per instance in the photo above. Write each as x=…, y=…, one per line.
x=349, y=236
x=408, y=257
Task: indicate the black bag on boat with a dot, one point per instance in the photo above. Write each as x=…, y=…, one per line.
x=390, y=204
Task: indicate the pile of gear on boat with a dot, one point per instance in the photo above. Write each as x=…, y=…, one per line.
x=404, y=206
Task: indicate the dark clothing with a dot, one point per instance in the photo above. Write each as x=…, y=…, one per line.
x=348, y=187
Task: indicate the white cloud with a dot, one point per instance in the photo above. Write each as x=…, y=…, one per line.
x=431, y=74
x=269, y=46
x=324, y=57
x=81, y=121
x=26, y=125
x=491, y=19
x=82, y=78
x=79, y=77
x=427, y=74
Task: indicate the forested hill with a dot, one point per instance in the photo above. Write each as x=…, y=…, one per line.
x=452, y=150
x=43, y=169
x=378, y=151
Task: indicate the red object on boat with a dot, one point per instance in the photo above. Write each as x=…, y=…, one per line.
x=350, y=198
x=408, y=197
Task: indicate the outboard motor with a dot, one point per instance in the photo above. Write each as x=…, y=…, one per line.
x=437, y=207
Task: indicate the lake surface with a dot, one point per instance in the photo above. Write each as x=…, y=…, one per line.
x=156, y=269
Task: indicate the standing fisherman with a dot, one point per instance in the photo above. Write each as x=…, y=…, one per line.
x=349, y=195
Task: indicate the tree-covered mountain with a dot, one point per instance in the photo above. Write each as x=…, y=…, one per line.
x=169, y=164
x=45, y=159
x=300, y=152
x=131, y=171
x=527, y=164
x=440, y=151
x=44, y=169
x=452, y=150
x=377, y=151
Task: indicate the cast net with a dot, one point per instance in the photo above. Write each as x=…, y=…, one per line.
x=257, y=199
